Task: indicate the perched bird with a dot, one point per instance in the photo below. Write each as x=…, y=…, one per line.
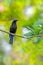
x=13, y=29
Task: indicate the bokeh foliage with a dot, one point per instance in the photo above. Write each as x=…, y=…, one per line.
x=32, y=49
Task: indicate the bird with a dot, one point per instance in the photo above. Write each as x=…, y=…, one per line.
x=13, y=29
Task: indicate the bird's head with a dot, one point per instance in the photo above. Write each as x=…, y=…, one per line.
x=15, y=20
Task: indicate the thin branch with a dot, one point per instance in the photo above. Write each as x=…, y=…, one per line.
x=14, y=34
x=18, y=35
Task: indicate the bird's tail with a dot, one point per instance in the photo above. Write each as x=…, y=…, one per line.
x=11, y=39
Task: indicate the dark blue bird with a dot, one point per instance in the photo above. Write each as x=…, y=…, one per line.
x=13, y=29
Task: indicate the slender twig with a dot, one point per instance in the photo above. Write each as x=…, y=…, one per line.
x=18, y=35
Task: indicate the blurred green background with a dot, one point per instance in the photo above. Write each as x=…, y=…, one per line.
x=30, y=22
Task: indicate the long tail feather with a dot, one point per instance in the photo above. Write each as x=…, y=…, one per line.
x=11, y=39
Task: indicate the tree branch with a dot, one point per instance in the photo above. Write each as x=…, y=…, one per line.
x=18, y=35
